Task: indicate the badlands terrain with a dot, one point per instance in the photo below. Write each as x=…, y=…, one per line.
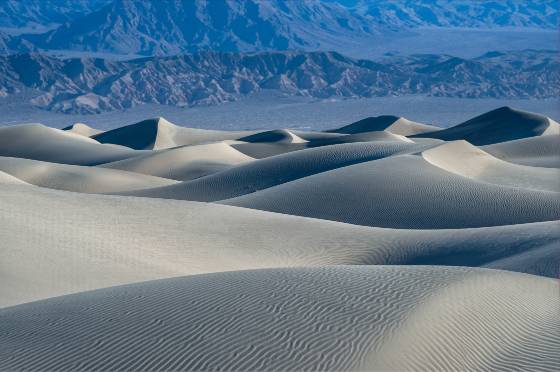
x=384, y=244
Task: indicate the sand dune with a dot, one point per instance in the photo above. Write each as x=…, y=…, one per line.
x=36, y=141
x=280, y=135
x=464, y=159
x=268, y=149
x=393, y=124
x=56, y=242
x=337, y=318
x=268, y=172
x=184, y=163
x=78, y=178
x=271, y=143
x=541, y=261
x=314, y=136
x=408, y=214
x=8, y=179
x=542, y=151
x=403, y=192
x=362, y=137
x=158, y=133
x=82, y=129
x=500, y=125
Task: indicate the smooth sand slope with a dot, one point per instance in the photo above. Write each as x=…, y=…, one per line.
x=464, y=159
x=284, y=144
x=158, y=133
x=275, y=170
x=338, y=318
x=362, y=137
x=408, y=213
x=8, y=179
x=78, y=178
x=405, y=192
x=389, y=123
x=500, y=125
x=82, y=129
x=261, y=150
x=277, y=136
x=184, y=163
x=36, y=141
x=57, y=242
x=542, y=151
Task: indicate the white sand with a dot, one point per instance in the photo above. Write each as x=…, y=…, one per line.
x=277, y=136
x=78, y=178
x=8, y=179
x=500, y=125
x=362, y=137
x=370, y=318
x=464, y=159
x=158, y=133
x=542, y=151
x=405, y=212
x=56, y=242
x=185, y=162
x=36, y=141
x=82, y=129
x=393, y=124
x=406, y=192
x=275, y=170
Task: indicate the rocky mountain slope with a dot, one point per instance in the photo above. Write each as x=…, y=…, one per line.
x=88, y=85
x=458, y=13
x=169, y=27
x=40, y=14
x=175, y=26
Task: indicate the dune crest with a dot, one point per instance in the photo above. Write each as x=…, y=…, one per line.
x=38, y=142
x=403, y=191
x=78, y=178
x=380, y=247
x=500, y=125
x=8, y=179
x=541, y=151
x=464, y=159
x=82, y=129
x=275, y=170
x=159, y=133
x=184, y=163
x=333, y=318
x=118, y=240
x=389, y=123
x=276, y=136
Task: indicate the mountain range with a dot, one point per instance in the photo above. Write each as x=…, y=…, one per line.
x=169, y=27
x=458, y=13
x=90, y=85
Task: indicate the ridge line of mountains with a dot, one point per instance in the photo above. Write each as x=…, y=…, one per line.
x=93, y=85
x=167, y=27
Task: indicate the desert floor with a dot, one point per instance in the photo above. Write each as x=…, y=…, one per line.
x=385, y=244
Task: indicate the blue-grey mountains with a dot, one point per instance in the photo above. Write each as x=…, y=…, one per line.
x=89, y=85
x=167, y=27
